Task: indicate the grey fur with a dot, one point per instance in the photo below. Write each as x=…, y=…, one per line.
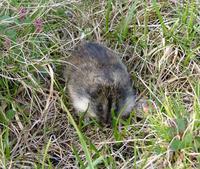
x=98, y=82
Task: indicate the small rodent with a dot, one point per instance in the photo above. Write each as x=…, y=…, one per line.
x=98, y=82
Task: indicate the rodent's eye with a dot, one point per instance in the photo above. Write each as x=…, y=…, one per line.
x=100, y=107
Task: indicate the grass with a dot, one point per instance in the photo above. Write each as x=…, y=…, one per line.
x=159, y=43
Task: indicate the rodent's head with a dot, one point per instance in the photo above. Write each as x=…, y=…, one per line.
x=100, y=103
x=104, y=100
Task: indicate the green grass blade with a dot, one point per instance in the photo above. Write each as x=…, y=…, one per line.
x=80, y=135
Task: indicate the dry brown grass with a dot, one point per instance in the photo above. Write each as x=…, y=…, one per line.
x=159, y=42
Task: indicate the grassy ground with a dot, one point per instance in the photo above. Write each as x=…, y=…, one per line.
x=160, y=44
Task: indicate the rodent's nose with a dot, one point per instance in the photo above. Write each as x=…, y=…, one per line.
x=106, y=118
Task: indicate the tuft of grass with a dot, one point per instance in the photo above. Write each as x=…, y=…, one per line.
x=159, y=43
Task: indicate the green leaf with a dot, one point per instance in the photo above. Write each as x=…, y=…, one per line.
x=6, y=20
x=187, y=140
x=176, y=145
x=11, y=34
x=4, y=17
x=78, y=158
x=180, y=144
x=2, y=28
x=160, y=17
x=181, y=123
x=80, y=135
x=6, y=143
x=28, y=20
x=15, y=3
x=45, y=155
x=123, y=27
x=197, y=142
x=108, y=12
x=158, y=149
x=96, y=162
x=10, y=114
x=3, y=119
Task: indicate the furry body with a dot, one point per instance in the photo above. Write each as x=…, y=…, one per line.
x=98, y=82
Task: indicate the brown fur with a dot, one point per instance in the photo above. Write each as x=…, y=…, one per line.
x=97, y=77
